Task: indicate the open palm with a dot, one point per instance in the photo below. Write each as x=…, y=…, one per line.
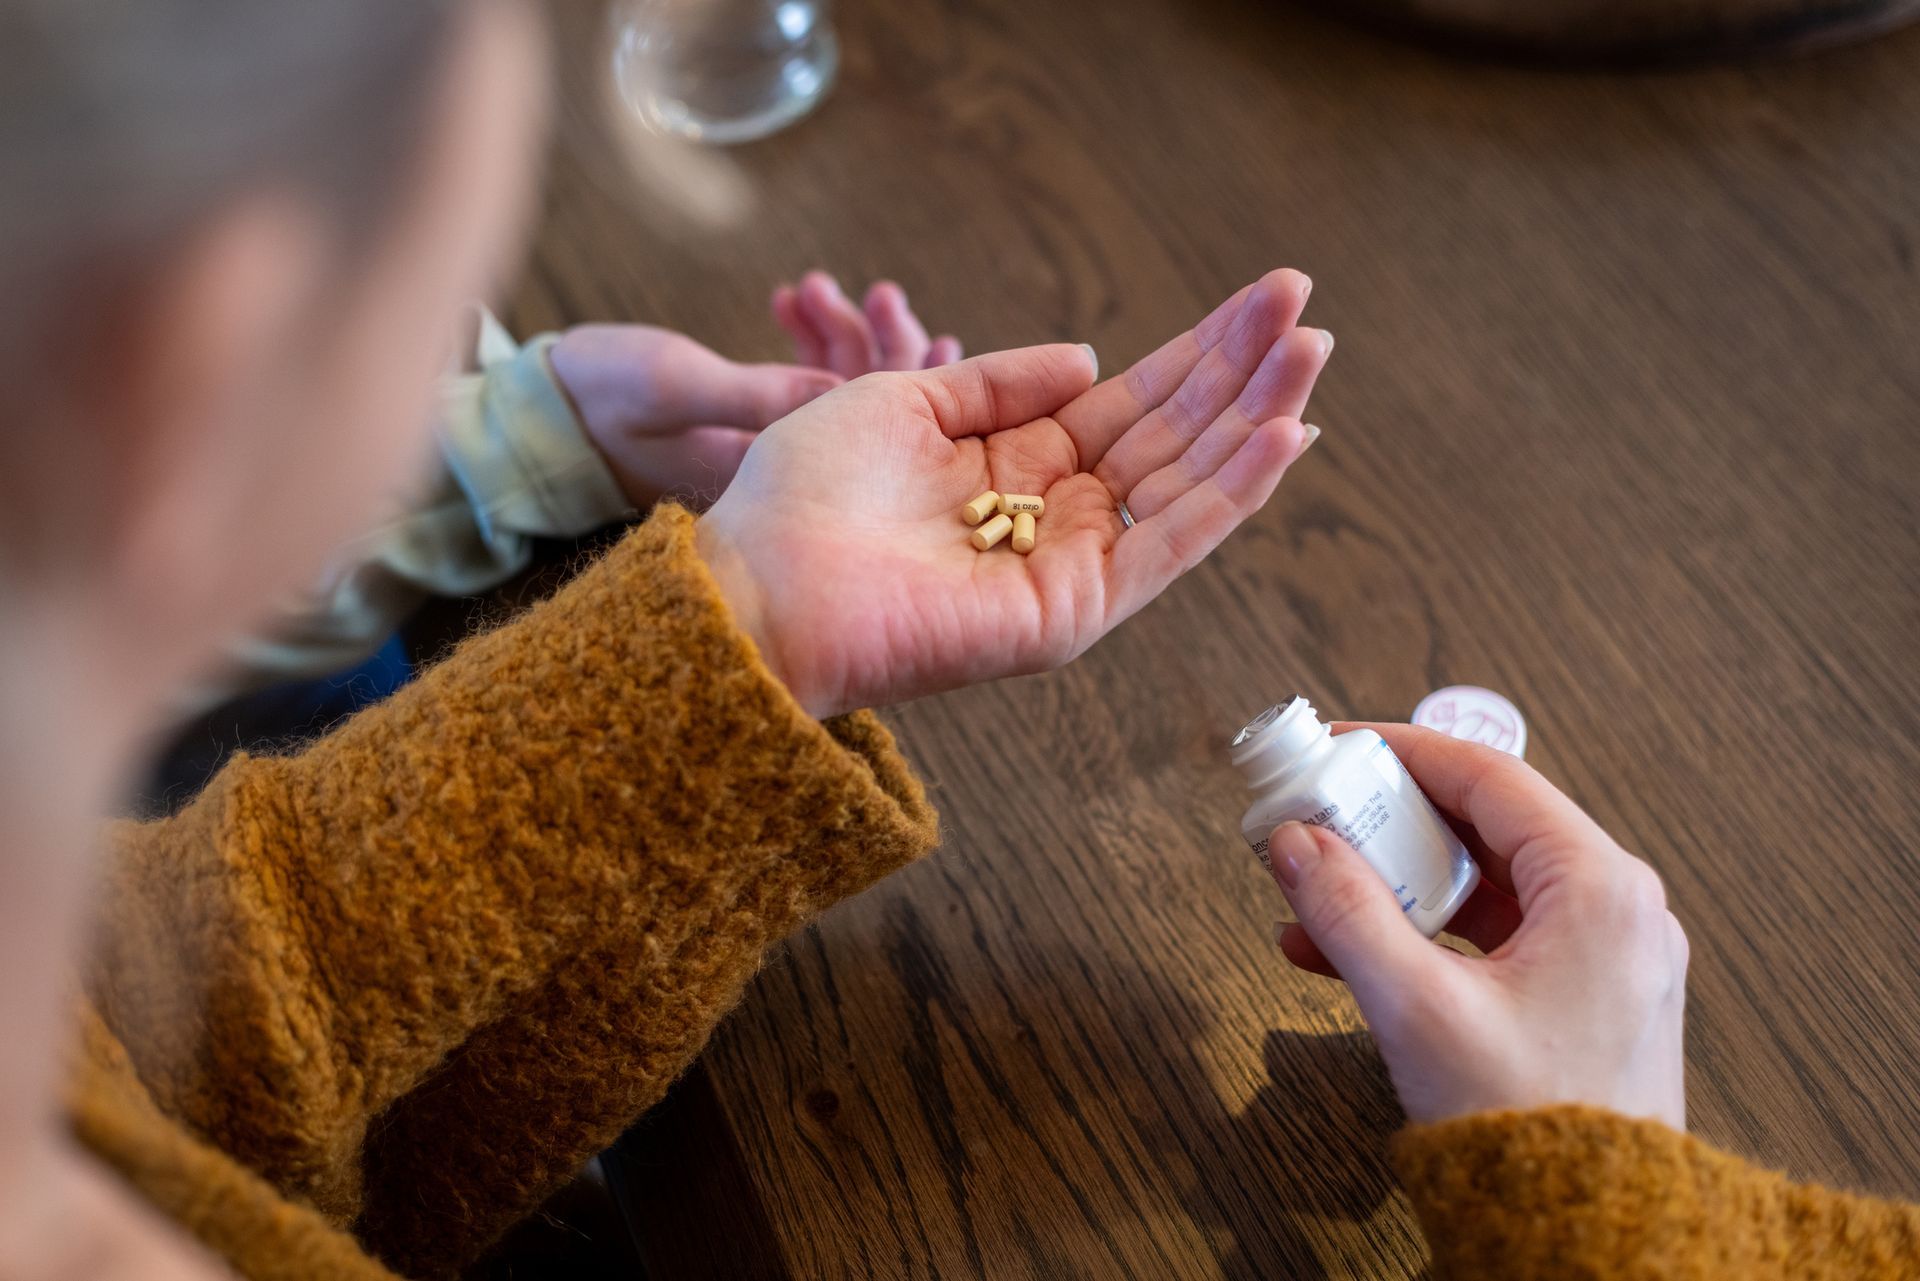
x=840, y=542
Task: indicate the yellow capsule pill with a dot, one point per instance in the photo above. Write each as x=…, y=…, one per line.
x=978, y=510
x=1023, y=532
x=991, y=532
x=1012, y=503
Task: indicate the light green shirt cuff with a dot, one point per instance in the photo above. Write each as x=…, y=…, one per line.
x=515, y=465
x=517, y=448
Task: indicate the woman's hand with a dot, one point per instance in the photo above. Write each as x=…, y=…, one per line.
x=671, y=416
x=1579, y=997
x=841, y=545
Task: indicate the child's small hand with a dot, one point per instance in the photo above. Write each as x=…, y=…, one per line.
x=830, y=332
x=669, y=415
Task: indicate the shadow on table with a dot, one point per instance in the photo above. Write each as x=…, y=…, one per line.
x=1098, y=1088
x=1309, y=1074
x=1114, y=1088
x=1293, y=1182
x=1282, y=1176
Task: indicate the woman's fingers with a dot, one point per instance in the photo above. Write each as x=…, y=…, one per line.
x=901, y=338
x=1099, y=418
x=843, y=328
x=1527, y=825
x=1487, y=919
x=944, y=351
x=1353, y=918
x=1254, y=316
x=1004, y=388
x=1158, y=550
x=1277, y=389
x=1213, y=385
x=1298, y=947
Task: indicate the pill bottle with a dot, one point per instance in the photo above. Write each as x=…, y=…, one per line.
x=1354, y=785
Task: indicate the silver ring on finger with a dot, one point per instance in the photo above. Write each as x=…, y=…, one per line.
x=1126, y=517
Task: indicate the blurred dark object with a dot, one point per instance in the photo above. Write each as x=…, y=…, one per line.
x=577, y=1235
x=275, y=719
x=1629, y=31
x=282, y=718
x=682, y=1186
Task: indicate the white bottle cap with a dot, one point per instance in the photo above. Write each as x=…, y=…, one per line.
x=1475, y=714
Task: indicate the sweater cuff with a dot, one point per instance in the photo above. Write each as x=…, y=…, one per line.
x=1578, y=1191
x=629, y=703
x=610, y=798
x=516, y=445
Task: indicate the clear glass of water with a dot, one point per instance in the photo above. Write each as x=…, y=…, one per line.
x=723, y=71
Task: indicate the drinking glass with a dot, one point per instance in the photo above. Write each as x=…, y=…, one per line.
x=723, y=71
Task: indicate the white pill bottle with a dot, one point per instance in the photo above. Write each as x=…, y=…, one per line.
x=1353, y=784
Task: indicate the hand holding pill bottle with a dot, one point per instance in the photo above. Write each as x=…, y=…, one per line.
x=843, y=546
x=1579, y=995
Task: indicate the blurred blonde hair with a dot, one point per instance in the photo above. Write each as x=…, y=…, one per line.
x=124, y=124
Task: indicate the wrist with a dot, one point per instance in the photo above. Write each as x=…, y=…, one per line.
x=601, y=404
x=746, y=601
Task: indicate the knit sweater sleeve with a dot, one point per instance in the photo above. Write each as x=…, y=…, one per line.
x=1577, y=1192
x=416, y=974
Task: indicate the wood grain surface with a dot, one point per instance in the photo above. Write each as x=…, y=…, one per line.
x=1624, y=422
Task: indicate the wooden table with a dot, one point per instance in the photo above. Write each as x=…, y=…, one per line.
x=1624, y=422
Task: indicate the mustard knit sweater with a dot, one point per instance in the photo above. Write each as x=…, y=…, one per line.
x=355, y=1011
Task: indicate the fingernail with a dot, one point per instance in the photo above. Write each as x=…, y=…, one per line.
x=1279, y=928
x=1093, y=357
x=1326, y=343
x=1308, y=434
x=1306, y=287
x=1294, y=852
